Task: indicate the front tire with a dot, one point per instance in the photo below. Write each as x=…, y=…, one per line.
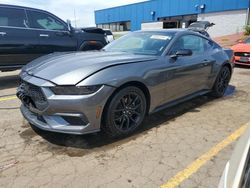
x=221, y=82
x=125, y=112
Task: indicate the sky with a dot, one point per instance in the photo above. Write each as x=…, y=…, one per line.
x=84, y=9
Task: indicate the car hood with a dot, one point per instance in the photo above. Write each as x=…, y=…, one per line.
x=242, y=47
x=71, y=68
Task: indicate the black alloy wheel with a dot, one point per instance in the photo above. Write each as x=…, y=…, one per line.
x=125, y=112
x=222, y=82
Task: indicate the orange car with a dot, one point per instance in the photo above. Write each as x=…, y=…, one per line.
x=242, y=52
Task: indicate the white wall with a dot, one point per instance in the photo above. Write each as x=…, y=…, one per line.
x=152, y=25
x=227, y=23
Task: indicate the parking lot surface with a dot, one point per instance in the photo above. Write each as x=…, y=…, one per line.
x=166, y=144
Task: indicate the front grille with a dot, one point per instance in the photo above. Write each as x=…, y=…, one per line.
x=35, y=93
x=237, y=61
x=242, y=54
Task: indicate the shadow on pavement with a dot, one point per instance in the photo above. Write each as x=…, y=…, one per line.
x=242, y=66
x=87, y=143
x=9, y=81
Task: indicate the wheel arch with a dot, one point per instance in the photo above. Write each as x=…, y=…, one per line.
x=137, y=84
x=226, y=64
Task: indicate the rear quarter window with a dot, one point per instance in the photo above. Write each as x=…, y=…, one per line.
x=12, y=17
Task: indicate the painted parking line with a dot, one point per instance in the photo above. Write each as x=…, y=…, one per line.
x=202, y=160
x=8, y=98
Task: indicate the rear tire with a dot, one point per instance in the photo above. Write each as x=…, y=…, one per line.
x=221, y=82
x=125, y=112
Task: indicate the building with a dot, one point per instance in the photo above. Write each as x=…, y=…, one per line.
x=230, y=16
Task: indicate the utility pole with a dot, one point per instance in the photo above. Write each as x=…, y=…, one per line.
x=75, y=16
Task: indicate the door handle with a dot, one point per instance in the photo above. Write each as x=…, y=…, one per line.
x=44, y=35
x=206, y=62
x=3, y=33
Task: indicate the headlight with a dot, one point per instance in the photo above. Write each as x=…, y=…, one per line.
x=75, y=90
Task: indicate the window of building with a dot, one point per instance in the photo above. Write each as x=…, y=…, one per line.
x=116, y=26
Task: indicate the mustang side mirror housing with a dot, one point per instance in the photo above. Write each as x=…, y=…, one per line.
x=183, y=52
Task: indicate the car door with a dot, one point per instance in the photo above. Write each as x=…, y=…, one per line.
x=52, y=32
x=17, y=41
x=189, y=74
x=245, y=176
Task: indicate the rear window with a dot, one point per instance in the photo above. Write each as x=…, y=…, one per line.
x=108, y=32
x=12, y=17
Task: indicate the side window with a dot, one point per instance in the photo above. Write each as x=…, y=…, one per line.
x=189, y=42
x=40, y=20
x=12, y=17
x=208, y=45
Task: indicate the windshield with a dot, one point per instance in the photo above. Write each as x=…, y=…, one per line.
x=247, y=40
x=147, y=43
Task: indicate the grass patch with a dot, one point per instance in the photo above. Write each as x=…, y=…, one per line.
x=247, y=30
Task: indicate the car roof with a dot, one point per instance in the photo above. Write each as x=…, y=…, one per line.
x=20, y=7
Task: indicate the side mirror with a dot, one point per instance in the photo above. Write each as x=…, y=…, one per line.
x=69, y=25
x=182, y=52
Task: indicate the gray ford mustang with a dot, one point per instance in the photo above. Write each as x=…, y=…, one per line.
x=113, y=89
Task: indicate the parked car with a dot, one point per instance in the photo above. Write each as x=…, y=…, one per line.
x=27, y=33
x=237, y=170
x=242, y=52
x=109, y=35
x=114, y=89
x=201, y=27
